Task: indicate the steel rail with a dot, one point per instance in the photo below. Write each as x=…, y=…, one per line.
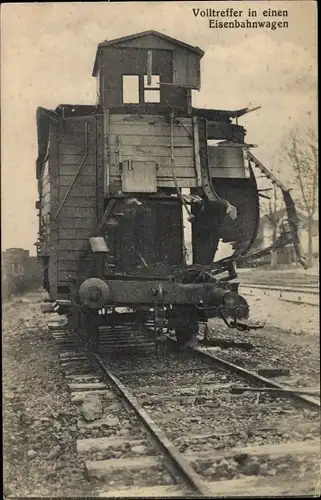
x=177, y=461
x=307, y=401
x=300, y=302
x=313, y=290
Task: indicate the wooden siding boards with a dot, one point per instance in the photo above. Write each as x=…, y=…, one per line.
x=139, y=177
x=76, y=126
x=45, y=184
x=154, y=151
x=146, y=138
x=226, y=162
x=83, y=180
x=53, y=240
x=81, y=202
x=225, y=131
x=148, y=42
x=66, y=277
x=86, y=213
x=72, y=232
x=79, y=206
x=146, y=39
x=186, y=64
x=140, y=138
x=100, y=167
x=136, y=129
x=116, y=61
x=69, y=255
x=180, y=163
x=151, y=119
x=181, y=182
x=69, y=264
x=227, y=173
x=154, y=140
x=75, y=222
x=186, y=69
x=80, y=244
x=68, y=162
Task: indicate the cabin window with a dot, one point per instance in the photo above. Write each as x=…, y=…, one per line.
x=137, y=89
x=130, y=89
x=152, y=90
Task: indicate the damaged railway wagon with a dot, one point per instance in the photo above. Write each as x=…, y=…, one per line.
x=114, y=180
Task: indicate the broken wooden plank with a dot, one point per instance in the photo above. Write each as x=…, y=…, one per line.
x=274, y=372
x=159, y=371
x=87, y=376
x=71, y=354
x=64, y=362
x=257, y=487
x=86, y=386
x=160, y=491
x=100, y=468
x=226, y=343
x=97, y=424
x=192, y=391
x=272, y=450
x=101, y=444
x=79, y=397
x=272, y=390
x=55, y=325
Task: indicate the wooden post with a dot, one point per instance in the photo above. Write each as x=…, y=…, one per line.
x=149, y=67
x=106, y=151
x=197, y=160
x=273, y=259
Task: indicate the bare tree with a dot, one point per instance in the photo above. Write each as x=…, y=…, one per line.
x=271, y=208
x=301, y=151
x=273, y=212
x=273, y=217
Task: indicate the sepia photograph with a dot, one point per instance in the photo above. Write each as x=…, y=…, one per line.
x=160, y=249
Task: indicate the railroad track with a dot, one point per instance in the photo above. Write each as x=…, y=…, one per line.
x=256, y=355
x=301, y=295
x=280, y=278
x=190, y=424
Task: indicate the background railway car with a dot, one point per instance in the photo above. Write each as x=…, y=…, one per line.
x=20, y=272
x=115, y=178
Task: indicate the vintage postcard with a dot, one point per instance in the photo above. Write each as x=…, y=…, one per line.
x=160, y=249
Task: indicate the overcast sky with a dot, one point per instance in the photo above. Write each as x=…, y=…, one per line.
x=48, y=52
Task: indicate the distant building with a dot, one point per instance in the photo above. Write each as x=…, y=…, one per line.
x=19, y=272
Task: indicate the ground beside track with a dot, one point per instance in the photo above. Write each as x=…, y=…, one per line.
x=289, y=339
x=37, y=407
x=300, y=319
x=39, y=421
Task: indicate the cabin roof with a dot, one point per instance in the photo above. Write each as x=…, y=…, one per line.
x=173, y=41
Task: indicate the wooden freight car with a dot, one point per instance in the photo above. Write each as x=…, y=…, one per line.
x=115, y=177
x=91, y=155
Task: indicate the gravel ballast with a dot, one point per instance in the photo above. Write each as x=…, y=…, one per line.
x=40, y=428
x=40, y=423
